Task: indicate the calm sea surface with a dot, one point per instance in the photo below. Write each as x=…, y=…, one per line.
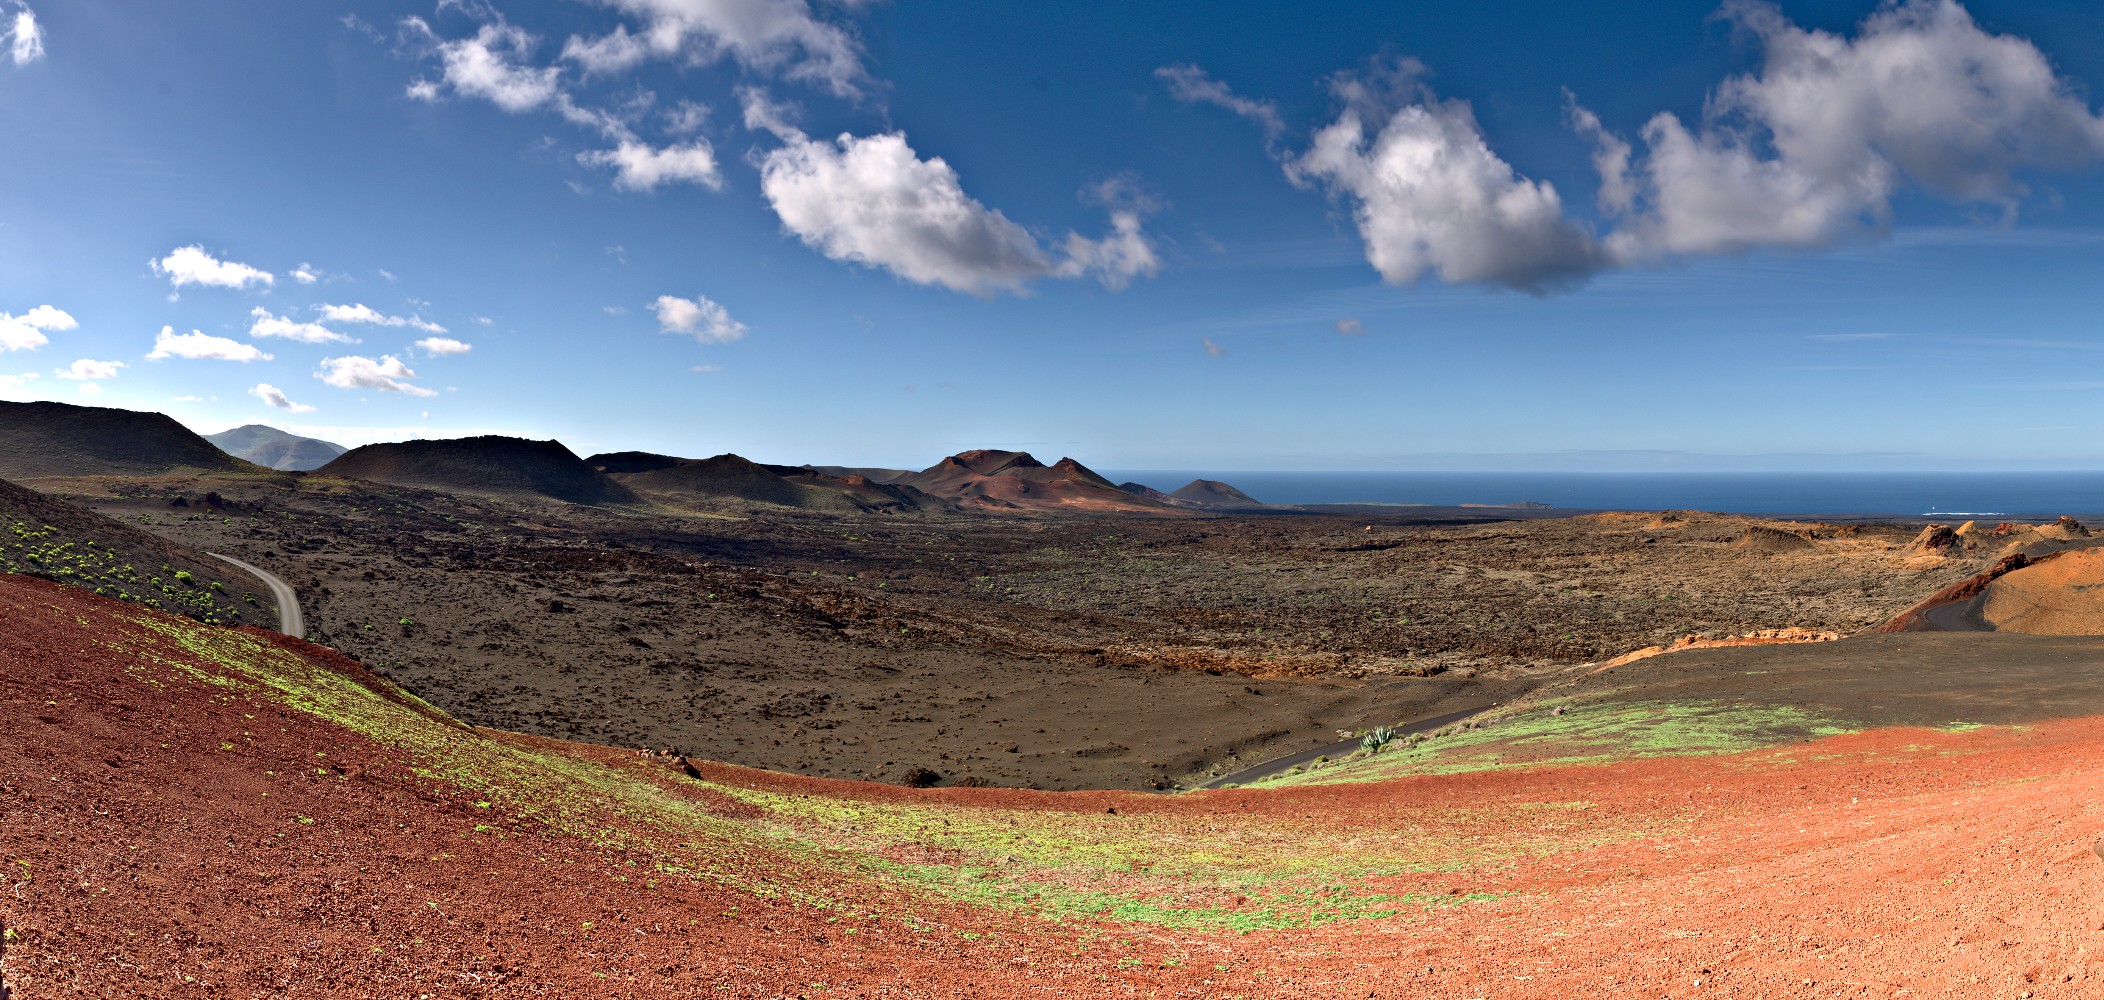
x=1932, y=493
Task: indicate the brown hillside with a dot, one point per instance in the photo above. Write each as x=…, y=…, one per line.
x=732, y=477
x=1013, y=480
x=724, y=477
x=1214, y=493
x=490, y=465
x=874, y=475
x=197, y=812
x=60, y=439
x=2058, y=593
x=47, y=537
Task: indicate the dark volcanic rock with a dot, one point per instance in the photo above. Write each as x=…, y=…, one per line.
x=1213, y=493
x=60, y=439
x=492, y=465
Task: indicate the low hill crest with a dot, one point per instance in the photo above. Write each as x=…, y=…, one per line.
x=60, y=439
x=272, y=448
x=490, y=464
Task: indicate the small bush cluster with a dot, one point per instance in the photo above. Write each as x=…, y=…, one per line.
x=39, y=551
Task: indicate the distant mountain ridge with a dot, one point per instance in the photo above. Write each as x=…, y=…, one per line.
x=275, y=449
x=490, y=464
x=1216, y=494
x=1015, y=480
x=60, y=439
x=46, y=439
x=734, y=477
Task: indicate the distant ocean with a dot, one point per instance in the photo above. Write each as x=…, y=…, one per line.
x=1954, y=494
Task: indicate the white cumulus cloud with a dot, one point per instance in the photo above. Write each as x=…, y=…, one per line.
x=86, y=368
x=277, y=399
x=388, y=374
x=698, y=317
x=25, y=38
x=780, y=37
x=443, y=345
x=191, y=265
x=1120, y=256
x=199, y=346
x=1813, y=147
x=362, y=313
x=1429, y=195
x=490, y=65
x=305, y=274
x=263, y=324
x=872, y=201
x=26, y=332
x=639, y=166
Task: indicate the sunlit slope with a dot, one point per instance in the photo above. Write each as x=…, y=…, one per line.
x=200, y=811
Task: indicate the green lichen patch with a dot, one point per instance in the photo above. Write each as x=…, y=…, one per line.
x=1586, y=733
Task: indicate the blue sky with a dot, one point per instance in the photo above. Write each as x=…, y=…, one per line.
x=1219, y=236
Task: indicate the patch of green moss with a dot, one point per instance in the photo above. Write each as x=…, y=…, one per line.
x=1587, y=733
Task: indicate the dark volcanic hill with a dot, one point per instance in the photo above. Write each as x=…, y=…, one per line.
x=275, y=449
x=493, y=465
x=44, y=536
x=721, y=477
x=1215, y=494
x=1146, y=492
x=60, y=439
x=731, y=477
x=874, y=475
x=1015, y=480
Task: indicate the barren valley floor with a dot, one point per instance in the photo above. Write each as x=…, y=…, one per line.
x=1104, y=651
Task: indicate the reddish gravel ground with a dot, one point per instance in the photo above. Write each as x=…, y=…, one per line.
x=163, y=836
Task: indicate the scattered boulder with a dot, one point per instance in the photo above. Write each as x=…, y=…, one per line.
x=1935, y=539
x=1761, y=538
x=920, y=777
x=2066, y=529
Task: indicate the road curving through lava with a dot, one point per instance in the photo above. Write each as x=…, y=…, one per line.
x=290, y=621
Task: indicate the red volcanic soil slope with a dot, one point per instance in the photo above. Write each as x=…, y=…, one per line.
x=2058, y=593
x=189, y=811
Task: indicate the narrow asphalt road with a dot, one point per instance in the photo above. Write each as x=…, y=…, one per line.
x=1282, y=764
x=289, y=620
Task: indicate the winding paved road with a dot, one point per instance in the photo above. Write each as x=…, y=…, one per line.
x=289, y=620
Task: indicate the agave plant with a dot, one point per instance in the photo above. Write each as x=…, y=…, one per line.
x=1380, y=737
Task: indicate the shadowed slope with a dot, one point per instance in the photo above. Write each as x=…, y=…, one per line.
x=492, y=465
x=60, y=439
x=47, y=537
x=732, y=477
